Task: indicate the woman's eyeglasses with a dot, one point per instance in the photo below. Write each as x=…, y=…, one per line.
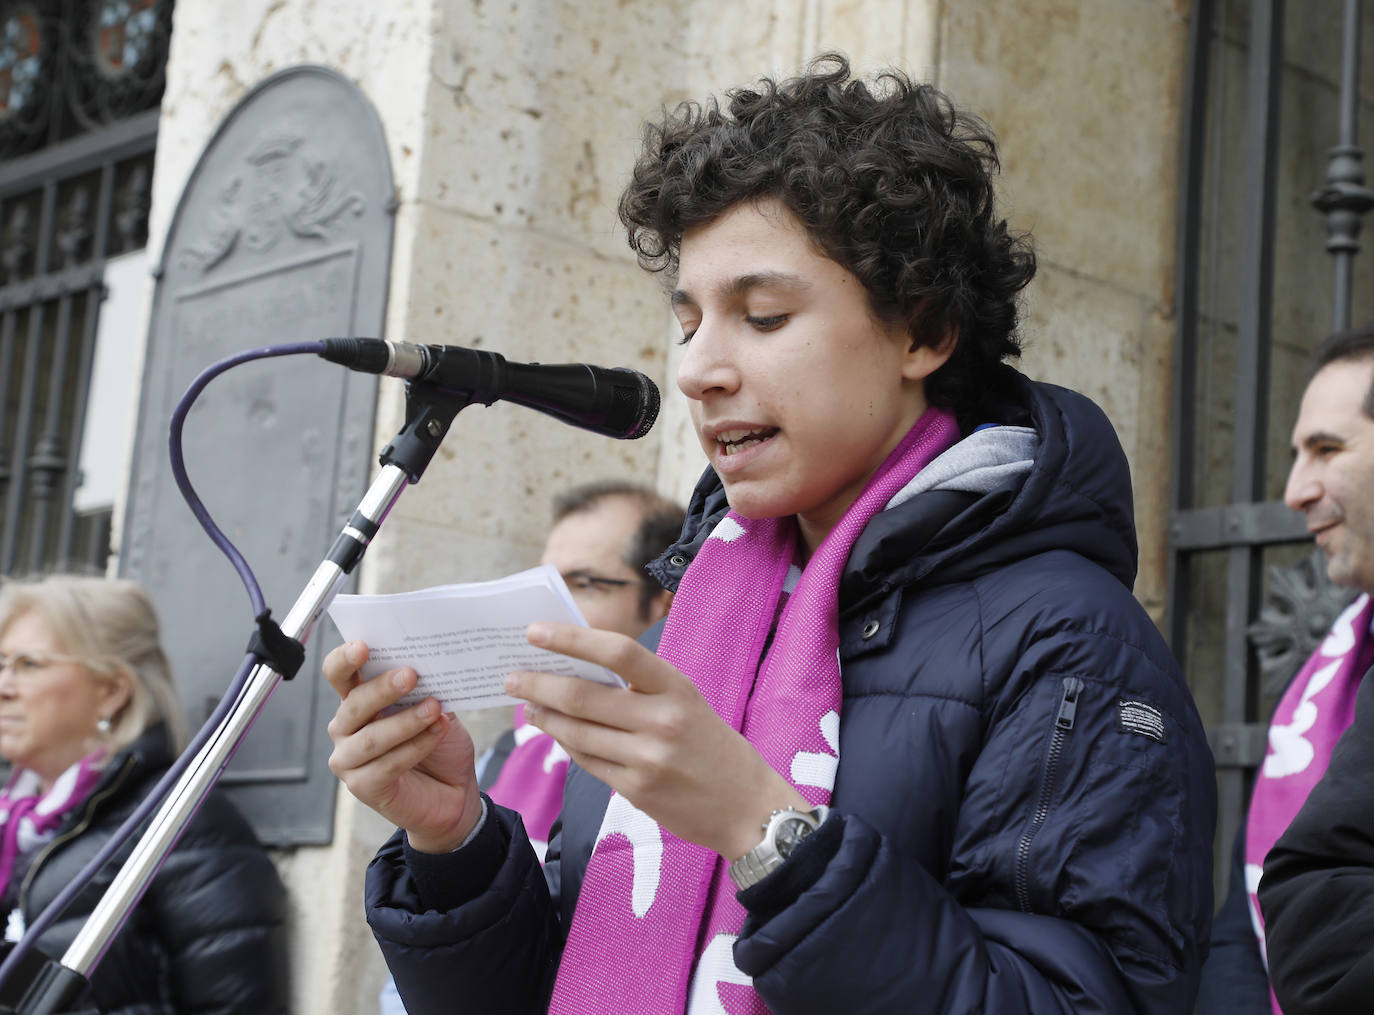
x=26, y=664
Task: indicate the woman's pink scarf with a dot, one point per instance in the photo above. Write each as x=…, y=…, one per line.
x=1317, y=708
x=657, y=916
x=29, y=817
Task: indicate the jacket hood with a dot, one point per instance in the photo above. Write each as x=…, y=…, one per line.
x=1075, y=495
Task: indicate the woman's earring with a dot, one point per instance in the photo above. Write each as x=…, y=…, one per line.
x=103, y=725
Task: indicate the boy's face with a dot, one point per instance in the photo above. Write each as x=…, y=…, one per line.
x=797, y=393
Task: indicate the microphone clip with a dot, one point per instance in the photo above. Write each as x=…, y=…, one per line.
x=275, y=647
x=429, y=414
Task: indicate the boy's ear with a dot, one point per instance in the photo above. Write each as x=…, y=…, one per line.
x=923, y=360
x=658, y=606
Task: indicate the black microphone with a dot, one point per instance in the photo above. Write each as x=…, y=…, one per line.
x=612, y=401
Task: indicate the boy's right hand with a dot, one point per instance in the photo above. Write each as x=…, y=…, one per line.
x=415, y=768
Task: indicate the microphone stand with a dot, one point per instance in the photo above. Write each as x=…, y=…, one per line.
x=53, y=987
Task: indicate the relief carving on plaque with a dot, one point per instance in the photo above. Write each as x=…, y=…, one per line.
x=284, y=187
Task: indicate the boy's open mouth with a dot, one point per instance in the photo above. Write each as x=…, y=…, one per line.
x=734, y=441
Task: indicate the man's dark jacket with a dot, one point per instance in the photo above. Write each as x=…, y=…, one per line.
x=208, y=937
x=1317, y=892
x=1234, y=980
x=1024, y=803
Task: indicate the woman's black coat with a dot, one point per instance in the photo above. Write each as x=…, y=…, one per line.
x=208, y=936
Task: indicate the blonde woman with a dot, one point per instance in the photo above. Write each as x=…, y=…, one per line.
x=89, y=720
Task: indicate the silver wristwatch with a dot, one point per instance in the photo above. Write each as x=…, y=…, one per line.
x=781, y=833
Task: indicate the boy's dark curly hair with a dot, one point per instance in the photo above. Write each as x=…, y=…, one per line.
x=893, y=183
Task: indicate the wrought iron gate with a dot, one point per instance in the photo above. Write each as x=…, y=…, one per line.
x=80, y=81
x=1231, y=539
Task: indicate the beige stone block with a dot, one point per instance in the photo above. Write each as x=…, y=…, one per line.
x=1085, y=334
x=534, y=110
x=412, y=553
x=1084, y=100
x=886, y=33
x=1116, y=348
x=532, y=299
x=729, y=44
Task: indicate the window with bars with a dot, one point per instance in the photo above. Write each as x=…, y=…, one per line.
x=80, y=81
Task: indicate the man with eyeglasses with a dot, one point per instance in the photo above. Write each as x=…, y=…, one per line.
x=603, y=536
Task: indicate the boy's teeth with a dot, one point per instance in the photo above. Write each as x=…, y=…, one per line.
x=733, y=441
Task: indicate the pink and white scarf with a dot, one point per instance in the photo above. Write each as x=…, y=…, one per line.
x=657, y=916
x=30, y=816
x=1317, y=707
x=531, y=780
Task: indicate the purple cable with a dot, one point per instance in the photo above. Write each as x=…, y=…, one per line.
x=179, y=463
x=173, y=774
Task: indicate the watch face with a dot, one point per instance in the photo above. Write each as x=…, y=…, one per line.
x=789, y=833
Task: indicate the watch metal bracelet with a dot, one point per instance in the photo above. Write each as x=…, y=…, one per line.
x=770, y=854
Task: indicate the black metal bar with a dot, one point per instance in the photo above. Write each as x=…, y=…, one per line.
x=94, y=297
x=1263, y=524
x=104, y=209
x=51, y=286
x=1350, y=73
x=1345, y=198
x=134, y=136
x=1238, y=745
x=7, y=319
x=1243, y=572
x=98, y=535
x=47, y=463
x=1192, y=162
x=14, y=514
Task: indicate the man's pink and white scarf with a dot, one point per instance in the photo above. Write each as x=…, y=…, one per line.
x=657, y=916
x=1317, y=707
x=29, y=816
x=531, y=780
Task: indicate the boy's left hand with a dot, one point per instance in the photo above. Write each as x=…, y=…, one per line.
x=657, y=743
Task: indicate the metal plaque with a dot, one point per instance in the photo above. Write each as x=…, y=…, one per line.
x=283, y=234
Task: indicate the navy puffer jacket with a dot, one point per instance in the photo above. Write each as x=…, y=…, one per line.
x=1024, y=806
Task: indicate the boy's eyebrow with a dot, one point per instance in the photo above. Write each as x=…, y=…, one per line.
x=741, y=284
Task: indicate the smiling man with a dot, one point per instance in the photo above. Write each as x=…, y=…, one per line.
x=1317, y=890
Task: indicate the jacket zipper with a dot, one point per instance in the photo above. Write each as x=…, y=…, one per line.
x=85, y=822
x=1063, y=725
